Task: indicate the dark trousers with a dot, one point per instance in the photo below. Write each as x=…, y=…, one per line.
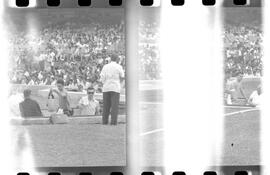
x=110, y=106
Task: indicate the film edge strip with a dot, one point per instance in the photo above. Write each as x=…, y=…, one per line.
x=118, y=3
x=148, y=173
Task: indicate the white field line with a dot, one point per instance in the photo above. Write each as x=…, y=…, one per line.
x=160, y=103
x=152, y=132
x=150, y=103
x=239, y=112
x=228, y=114
x=239, y=107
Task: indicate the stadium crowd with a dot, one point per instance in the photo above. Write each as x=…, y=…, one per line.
x=243, y=50
x=149, y=57
x=243, y=58
x=75, y=53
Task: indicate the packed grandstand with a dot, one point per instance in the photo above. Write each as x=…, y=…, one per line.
x=242, y=42
x=75, y=54
x=243, y=50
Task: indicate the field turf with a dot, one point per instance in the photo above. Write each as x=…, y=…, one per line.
x=77, y=145
x=241, y=142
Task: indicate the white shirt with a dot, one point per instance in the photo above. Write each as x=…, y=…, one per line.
x=110, y=77
x=254, y=98
x=88, y=107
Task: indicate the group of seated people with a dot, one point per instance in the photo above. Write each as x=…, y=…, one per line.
x=60, y=103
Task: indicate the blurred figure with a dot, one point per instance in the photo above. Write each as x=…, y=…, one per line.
x=80, y=88
x=88, y=104
x=235, y=91
x=255, y=97
x=29, y=107
x=14, y=100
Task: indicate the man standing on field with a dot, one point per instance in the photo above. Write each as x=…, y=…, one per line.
x=111, y=76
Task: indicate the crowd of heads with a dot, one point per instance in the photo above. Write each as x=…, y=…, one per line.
x=72, y=52
x=77, y=53
x=149, y=56
x=242, y=49
x=243, y=52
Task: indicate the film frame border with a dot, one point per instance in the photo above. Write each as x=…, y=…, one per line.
x=118, y=3
x=237, y=170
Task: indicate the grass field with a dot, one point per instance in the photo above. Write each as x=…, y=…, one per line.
x=242, y=137
x=241, y=142
x=77, y=145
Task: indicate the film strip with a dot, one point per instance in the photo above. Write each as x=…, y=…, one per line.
x=64, y=37
x=87, y=3
x=231, y=171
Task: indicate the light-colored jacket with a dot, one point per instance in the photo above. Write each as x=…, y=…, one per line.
x=110, y=76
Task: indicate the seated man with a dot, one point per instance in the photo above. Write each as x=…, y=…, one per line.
x=29, y=107
x=88, y=104
x=254, y=99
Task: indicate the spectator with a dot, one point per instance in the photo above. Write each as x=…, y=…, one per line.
x=29, y=107
x=88, y=104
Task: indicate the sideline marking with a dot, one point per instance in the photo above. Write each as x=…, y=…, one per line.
x=244, y=111
x=239, y=107
x=152, y=132
x=151, y=103
x=160, y=103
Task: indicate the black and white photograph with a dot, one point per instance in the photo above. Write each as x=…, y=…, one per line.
x=129, y=88
x=243, y=89
x=66, y=69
